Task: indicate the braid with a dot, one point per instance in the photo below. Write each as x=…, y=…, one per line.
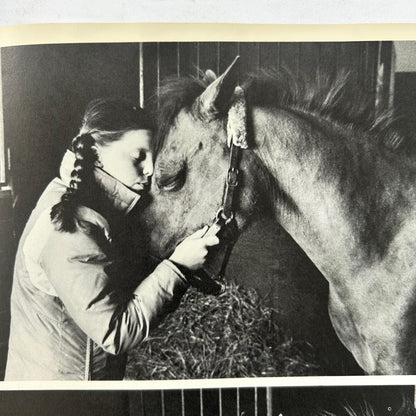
x=63, y=214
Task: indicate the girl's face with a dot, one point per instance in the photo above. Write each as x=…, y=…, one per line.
x=129, y=159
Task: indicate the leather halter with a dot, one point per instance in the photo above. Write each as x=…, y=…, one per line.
x=224, y=224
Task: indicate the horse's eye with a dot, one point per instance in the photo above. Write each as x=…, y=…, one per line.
x=166, y=181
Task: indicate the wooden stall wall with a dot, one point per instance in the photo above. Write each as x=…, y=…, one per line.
x=46, y=89
x=361, y=59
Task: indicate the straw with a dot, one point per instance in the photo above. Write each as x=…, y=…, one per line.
x=230, y=335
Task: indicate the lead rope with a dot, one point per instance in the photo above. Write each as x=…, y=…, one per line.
x=88, y=350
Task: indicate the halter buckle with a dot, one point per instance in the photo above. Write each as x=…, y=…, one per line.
x=232, y=177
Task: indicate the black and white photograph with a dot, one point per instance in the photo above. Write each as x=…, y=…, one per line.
x=210, y=210
x=265, y=401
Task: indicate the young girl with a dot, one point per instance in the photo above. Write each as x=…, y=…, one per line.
x=72, y=317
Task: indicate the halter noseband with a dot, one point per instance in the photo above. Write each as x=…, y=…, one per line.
x=224, y=224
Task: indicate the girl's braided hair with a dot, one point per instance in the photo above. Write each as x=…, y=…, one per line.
x=104, y=121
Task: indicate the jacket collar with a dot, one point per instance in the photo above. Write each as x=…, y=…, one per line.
x=122, y=198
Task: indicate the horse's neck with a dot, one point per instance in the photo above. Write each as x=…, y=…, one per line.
x=328, y=196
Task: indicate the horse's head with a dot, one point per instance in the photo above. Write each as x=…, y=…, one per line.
x=193, y=159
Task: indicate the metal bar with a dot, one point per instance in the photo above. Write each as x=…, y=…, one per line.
x=217, y=68
x=198, y=69
x=178, y=60
x=298, y=59
x=220, y=402
x=278, y=56
x=183, y=402
x=258, y=57
x=158, y=71
x=201, y=403
x=238, y=401
x=143, y=411
x=2, y=145
x=392, y=79
x=379, y=79
x=162, y=402
x=269, y=401
x=141, y=75
x=256, y=401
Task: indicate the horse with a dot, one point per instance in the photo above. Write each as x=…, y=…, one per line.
x=340, y=179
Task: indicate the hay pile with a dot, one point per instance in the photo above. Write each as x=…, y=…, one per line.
x=229, y=335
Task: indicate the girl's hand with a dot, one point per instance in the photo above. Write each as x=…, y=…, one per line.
x=192, y=252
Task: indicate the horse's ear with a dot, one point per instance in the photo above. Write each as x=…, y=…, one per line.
x=209, y=77
x=217, y=96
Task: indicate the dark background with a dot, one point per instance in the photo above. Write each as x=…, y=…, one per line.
x=294, y=401
x=46, y=89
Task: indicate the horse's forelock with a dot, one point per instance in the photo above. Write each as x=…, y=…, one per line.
x=174, y=95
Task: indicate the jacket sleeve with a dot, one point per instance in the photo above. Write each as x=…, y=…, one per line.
x=76, y=266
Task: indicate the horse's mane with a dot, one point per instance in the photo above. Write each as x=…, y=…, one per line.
x=333, y=98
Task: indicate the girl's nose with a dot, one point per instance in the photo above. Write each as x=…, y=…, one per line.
x=148, y=165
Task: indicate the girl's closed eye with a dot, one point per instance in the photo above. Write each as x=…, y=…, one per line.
x=140, y=157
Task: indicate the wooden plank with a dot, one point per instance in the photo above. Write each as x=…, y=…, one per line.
x=3, y=358
x=6, y=277
x=309, y=59
x=4, y=323
x=349, y=59
x=172, y=402
x=136, y=406
x=360, y=66
x=211, y=402
x=229, y=402
x=6, y=200
x=188, y=59
x=247, y=401
x=3, y=156
x=289, y=57
x=168, y=60
x=209, y=56
x=344, y=56
x=370, y=66
x=386, y=55
x=261, y=403
x=269, y=55
x=152, y=403
x=228, y=52
x=328, y=58
x=150, y=70
x=250, y=58
x=192, y=402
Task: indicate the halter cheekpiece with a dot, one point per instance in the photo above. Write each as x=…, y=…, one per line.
x=224, y=224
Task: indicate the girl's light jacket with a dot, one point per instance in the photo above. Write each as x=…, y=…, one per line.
x=69, y=320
